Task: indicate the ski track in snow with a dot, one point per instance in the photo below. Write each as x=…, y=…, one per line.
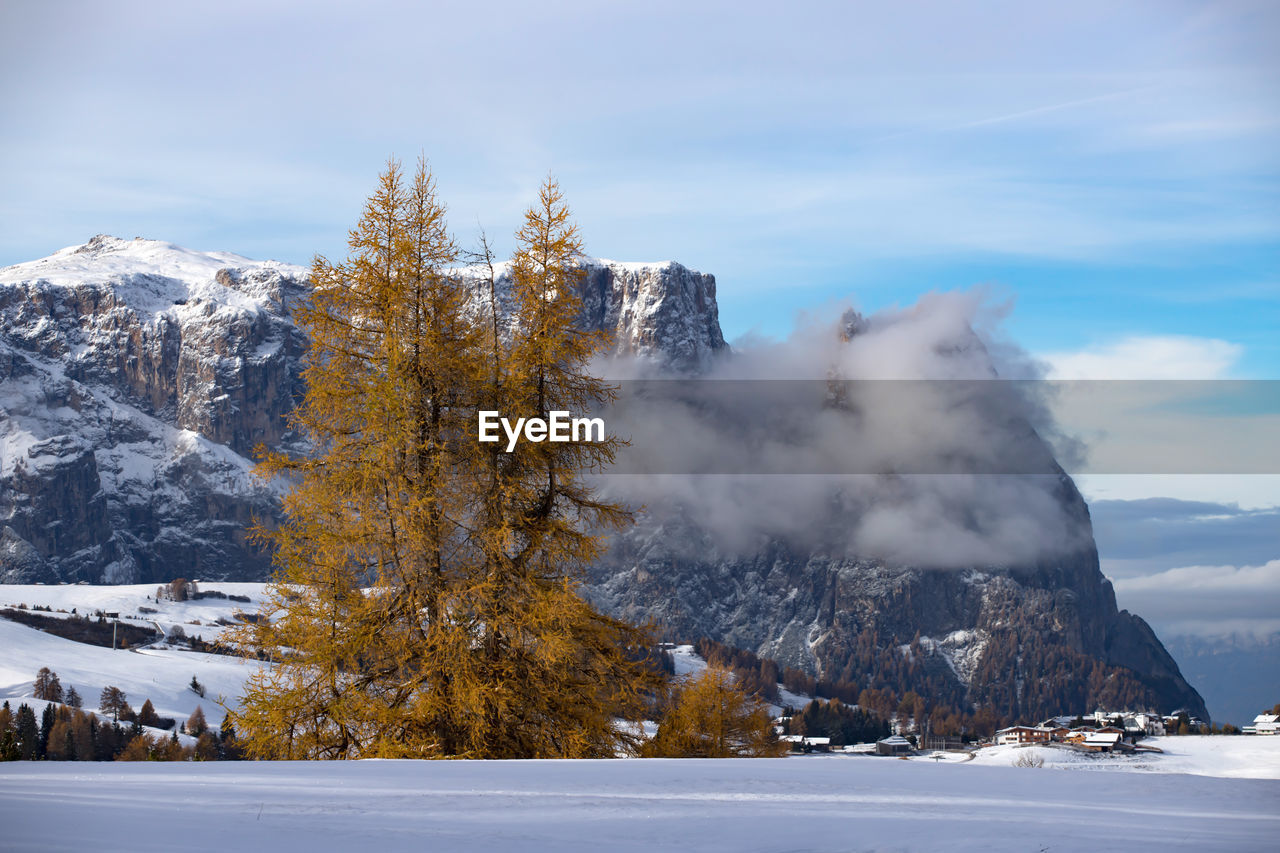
x=834, y=803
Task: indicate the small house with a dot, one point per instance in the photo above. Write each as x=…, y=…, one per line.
x=893, y=745
x=1022, y=734
x=1103, y=741
x=1264, y=724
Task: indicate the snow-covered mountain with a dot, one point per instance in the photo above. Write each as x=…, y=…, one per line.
x=137, y=377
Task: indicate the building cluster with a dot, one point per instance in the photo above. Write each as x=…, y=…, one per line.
x=891, y=745
x=1101, y=731
x=1104, y=739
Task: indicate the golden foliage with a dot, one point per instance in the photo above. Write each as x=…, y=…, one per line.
x=426, y=596
x=711, y=717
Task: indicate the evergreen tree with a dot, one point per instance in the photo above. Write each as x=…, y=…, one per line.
x=47, y=686
x=108, y=740
x=73, y=699
x=47, y=720
x=8, y=735
x=426, y=591
x=27, y=733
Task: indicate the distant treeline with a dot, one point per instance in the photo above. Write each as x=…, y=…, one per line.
x=70, y=734
x=83, y=629
x=913, y=680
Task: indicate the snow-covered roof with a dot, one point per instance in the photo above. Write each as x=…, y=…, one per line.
x=1102, y=738
x=1267, y=718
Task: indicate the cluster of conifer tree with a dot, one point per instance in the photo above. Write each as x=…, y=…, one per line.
x=844, y=724
x=426, y=596
x=66, y=732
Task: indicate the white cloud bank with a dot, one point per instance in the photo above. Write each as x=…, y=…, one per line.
x=1147, y=357
x=1206, y=600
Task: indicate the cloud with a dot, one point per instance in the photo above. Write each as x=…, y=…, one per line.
x=1207, y=600
x=1138, y=538
x=765, y=447
x=1193, y=567
x=889, y=132
x=1256, y=491
x=1147, y=357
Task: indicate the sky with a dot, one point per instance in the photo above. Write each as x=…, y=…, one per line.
x=1109, y=171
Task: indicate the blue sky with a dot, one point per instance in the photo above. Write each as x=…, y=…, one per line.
x=1112, y=167
x=1111, y=170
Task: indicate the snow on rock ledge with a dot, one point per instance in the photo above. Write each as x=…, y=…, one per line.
x=137, y=377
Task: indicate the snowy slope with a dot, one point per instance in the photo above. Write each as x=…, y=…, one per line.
x=569, y=806
x=196, y=618
x=159, y=674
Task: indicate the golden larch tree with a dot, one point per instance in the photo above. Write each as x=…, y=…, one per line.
x=426, y=597
x=712, y=717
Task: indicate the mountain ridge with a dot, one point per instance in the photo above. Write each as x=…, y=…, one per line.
x=138, y=376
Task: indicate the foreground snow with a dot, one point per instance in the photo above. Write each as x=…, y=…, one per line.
x=1238, y=757
x=835, y=803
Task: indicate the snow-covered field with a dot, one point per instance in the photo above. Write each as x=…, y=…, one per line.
x=1235, y=757
x=833, y=803
x=159, y=674
x=1201, y=793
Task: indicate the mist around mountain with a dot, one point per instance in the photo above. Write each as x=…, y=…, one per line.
x=137, y=377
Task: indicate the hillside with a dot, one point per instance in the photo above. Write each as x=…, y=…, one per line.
x=161, y=673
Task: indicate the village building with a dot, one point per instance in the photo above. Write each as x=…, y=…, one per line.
x=1263, y=724
x=893, y=745
x=802, y=743
x=1023, y=734
x=1105, y=741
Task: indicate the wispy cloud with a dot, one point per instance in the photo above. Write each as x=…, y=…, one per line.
x=1147, y=357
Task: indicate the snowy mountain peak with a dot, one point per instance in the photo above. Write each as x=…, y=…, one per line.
x=138, y=376
x=152, y=275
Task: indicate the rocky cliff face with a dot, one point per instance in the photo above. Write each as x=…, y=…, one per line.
x=136, y=378
x=1023, y=639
